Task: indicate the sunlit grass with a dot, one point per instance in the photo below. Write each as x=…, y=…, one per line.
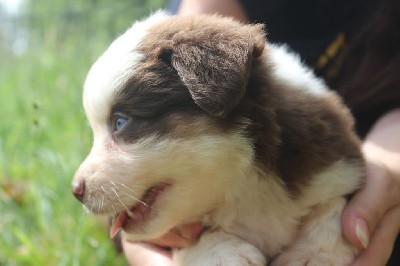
x=43, y=138
x=44, y=134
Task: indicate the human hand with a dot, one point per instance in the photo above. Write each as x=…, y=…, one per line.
x=158, y=251
x=371, y=220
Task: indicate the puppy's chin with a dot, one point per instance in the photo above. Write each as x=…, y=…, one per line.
x=155, y=227
x=173, y=208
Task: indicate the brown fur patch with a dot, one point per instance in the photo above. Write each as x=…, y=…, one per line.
x=315, y=134
x=211, y=55
x=153, y=93
x=296, y=134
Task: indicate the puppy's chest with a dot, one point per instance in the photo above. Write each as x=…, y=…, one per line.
x=261, y=217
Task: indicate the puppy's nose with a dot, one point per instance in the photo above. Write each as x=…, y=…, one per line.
x=78, y=189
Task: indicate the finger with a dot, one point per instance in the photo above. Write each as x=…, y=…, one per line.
x=191, y=231
x=180, y=237
x=142, y=254
x=172, y=239
x=382, y=241
x=365, y=210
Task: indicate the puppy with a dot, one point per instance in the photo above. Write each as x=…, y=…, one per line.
x=199, y=119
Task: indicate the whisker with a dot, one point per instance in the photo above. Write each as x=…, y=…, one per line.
x=102, y=202
x=129, y=195
x=133, y=197
x=112, y=183
x=124, y=186
x=118, y=197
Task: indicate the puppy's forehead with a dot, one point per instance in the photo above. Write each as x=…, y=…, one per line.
x=114, y=68
x=132, y=59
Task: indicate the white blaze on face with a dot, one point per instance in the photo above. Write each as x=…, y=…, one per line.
x=113, y=69
x=105, y=79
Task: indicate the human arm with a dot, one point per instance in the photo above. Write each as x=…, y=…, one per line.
x=230, y=8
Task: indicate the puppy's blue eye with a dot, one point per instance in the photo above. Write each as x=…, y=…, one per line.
x=120, y=122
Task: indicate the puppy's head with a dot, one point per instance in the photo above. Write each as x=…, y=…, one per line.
x=157, y=101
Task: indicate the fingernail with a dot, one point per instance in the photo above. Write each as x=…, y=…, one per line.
x=362, y=232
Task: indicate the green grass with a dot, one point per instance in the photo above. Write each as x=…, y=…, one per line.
x=44, y=135
x=43, y=138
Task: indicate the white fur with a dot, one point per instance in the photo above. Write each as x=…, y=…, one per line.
x=233, y=251
x=113, y=68
x=214, y=178
x=331, y=184
x=320, y=240
x=289, y=70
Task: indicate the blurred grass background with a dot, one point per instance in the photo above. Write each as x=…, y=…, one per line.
x=46, y=49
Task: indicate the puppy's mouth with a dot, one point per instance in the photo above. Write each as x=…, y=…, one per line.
x=139, y=213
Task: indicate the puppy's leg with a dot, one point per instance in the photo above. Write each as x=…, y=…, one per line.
x=220, y=248
x=320, y=240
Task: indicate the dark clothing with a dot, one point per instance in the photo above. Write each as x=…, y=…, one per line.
x=310, y=27
x=307, y=26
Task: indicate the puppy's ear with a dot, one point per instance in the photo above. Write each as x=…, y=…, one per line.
x=215, y=66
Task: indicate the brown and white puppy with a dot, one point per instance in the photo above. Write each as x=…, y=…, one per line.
x=197, y=118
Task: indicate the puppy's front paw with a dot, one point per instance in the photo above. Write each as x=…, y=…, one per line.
x=222, y=249
x=320, y=242
x=315, y=258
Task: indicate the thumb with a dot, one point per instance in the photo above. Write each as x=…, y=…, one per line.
x=365, y=210
x=355, y=229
